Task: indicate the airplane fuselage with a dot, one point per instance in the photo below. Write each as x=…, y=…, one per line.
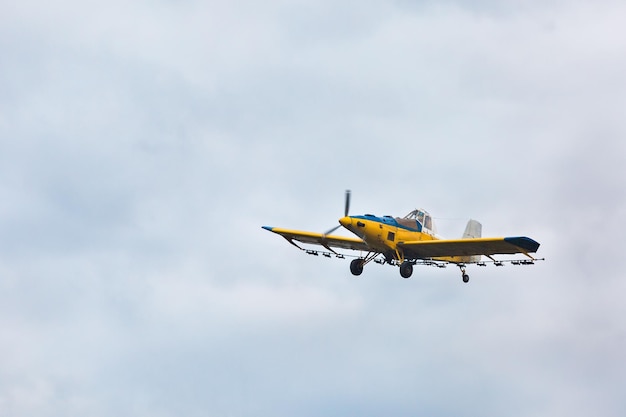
x=384, y=233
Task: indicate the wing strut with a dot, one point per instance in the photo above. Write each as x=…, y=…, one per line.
x=288, y=239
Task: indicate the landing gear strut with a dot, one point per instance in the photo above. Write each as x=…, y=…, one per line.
x=406, y=269
x=356, y=266
x=463, y=274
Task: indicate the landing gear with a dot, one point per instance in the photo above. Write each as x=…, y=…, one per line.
x=356, y=266
x=463, y=274
x=406, y=269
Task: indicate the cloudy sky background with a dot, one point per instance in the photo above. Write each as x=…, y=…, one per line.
x=144, y=144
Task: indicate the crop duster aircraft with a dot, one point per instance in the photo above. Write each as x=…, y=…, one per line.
x=411, y=240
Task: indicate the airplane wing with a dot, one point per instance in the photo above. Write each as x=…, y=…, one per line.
x=425, y=249
x=330, y=241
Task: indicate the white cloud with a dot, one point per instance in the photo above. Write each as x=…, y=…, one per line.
x=143, y=145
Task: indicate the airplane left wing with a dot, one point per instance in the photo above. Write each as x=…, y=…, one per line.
x=426, y=249
x=327, y=241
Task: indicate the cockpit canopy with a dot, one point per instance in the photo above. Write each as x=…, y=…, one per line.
x=418, y=221
x=423, y=218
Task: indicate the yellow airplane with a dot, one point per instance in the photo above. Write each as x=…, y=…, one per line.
x=409, y=241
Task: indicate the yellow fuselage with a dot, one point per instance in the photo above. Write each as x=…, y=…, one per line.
x=382, y=234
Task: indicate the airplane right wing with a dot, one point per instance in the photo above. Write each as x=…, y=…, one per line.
x=327, y=241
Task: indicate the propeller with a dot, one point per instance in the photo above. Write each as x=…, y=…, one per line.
x=345, y=212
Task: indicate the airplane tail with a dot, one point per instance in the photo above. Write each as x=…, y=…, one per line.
x=473, y=230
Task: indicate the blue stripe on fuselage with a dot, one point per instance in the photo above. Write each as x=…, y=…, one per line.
x=386, y=220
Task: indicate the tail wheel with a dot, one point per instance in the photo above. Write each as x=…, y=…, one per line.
x=465, y=278
x=356, y=266
x=406, y=269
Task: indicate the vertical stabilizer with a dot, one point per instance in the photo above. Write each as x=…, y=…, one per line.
x=473, y=230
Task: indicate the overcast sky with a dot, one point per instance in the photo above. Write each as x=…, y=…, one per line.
x=144, y=144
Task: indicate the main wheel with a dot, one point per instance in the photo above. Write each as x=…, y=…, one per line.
x=356, y=266
x=465, y=278
x=406, y=269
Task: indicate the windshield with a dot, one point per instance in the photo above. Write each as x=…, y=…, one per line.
x=422, y=217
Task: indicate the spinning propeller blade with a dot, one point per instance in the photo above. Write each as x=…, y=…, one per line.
x=331, y=230
x=345, y=212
